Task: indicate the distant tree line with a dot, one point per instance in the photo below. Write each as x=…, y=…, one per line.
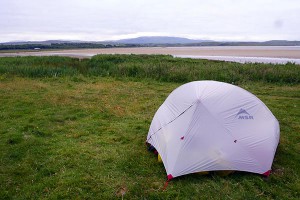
x=73, y=45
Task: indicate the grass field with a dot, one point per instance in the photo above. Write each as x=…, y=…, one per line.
x=75, y=129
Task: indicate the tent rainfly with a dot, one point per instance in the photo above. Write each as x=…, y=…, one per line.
x=213, y=126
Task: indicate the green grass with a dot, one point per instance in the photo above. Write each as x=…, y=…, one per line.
x=80, y=134
x=158, y=67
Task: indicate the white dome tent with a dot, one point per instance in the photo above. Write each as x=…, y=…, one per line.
x=212, y=126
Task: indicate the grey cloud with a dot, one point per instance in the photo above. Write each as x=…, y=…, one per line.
x=94, y=19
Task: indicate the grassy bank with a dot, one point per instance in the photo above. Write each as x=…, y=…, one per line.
x=159, y=67
x=75, y=129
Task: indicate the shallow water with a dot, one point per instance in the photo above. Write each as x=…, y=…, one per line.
x=241, y=54
x=244, y=59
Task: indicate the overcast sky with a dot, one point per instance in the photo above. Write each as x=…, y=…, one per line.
x=91, y=20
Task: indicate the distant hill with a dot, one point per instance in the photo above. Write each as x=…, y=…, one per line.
x=155, y=41
x=266, y=43
x=159, y=40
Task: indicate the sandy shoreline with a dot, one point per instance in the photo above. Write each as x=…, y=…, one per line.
x=244, y=51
